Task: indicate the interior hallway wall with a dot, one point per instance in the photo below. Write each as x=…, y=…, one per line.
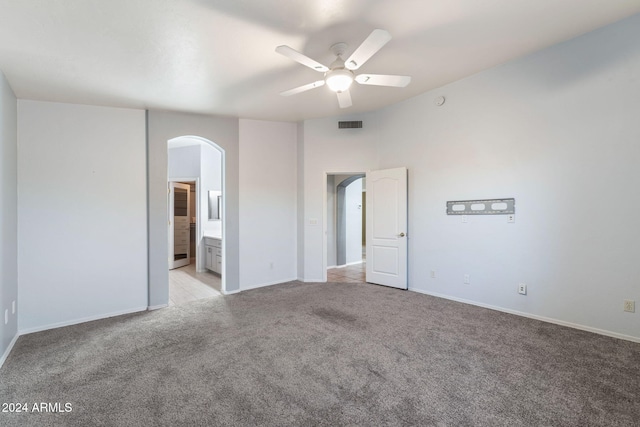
x=353, y=211
x=82, y=242
x=211, y=179
x=183, y=162
x=327, y=149
x=268, y=202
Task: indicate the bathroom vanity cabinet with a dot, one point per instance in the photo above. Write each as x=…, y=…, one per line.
x=213, y=254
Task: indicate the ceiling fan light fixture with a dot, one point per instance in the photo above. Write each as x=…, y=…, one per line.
x=339, y=80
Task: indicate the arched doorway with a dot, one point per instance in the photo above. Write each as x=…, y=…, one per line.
x=199, y=163
x=345, y=236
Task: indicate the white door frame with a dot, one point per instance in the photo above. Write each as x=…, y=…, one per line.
x=198, y=225
x=173, y=187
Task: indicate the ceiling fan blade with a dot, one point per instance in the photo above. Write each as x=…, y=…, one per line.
x=303, y=88
x=383, y=80
x=367, y=49
x=300, y=58
x=344, y=99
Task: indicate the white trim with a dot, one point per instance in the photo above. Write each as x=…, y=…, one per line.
x=346, y=265
x=533, y=316
x=157, y=307
x=262, y=285
x=8, y=350
x=225, y=292
x=81, y=320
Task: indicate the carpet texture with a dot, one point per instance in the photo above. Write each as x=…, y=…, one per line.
x=323, y=354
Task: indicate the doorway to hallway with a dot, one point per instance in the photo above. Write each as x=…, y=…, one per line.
x=346, y=228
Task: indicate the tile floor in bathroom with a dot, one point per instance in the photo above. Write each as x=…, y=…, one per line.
x=186, y=285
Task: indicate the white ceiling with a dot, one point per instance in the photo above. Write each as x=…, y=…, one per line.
x=217, y=56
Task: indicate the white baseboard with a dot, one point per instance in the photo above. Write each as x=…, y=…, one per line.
x=81, y=320
x=8, y=350
x=157, y=307
x=533, y=316
x=346, y=265
x=225, y=292
x=262, y=285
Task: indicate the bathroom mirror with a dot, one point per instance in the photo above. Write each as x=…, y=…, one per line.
x=215, y=205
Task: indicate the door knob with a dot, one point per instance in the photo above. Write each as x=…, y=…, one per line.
x=401, y=235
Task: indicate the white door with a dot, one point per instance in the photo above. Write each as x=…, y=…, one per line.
x=179, y=223
x=387, y=227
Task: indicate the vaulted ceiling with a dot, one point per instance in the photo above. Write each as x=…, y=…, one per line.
x=217, y=56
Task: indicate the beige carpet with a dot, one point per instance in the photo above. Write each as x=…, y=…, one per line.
x=323, y=354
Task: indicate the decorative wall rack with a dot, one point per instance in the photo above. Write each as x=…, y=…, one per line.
x=482, y=207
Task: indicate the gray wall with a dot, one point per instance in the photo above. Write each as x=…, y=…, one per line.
x=268, y=198
x=163, y=126
x=210, y=179
x=559, y=131
x=82, y=213
x=8, y=214
x=184, y=162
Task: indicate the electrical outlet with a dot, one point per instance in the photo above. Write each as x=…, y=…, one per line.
x=464, y=219
x=433, y=274
x=522, y=289
x=511, y=218
x=466, y=279
x=629, y=306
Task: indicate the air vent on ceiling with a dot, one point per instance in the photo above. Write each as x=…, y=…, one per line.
x=350, y=125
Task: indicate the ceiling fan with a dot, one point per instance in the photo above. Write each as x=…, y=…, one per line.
x=340, y=74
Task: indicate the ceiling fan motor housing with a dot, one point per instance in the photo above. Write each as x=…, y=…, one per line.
x=338, y=78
